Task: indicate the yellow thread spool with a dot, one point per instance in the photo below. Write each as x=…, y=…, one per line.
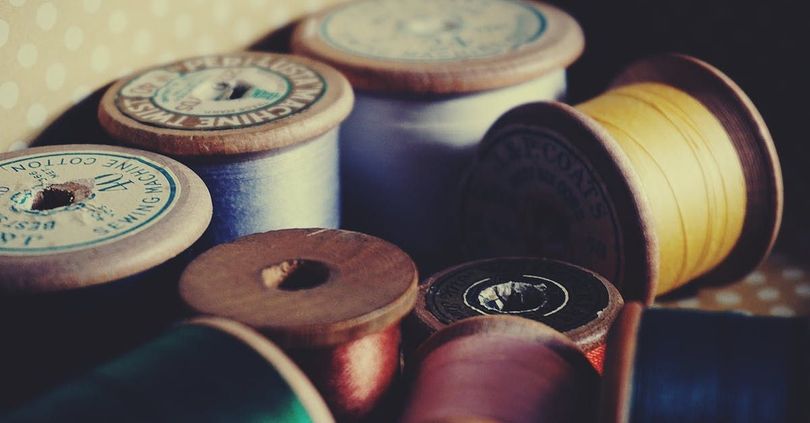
x=668, y=177
x=688, y=169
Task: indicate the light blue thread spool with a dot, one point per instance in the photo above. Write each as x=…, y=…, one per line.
x=431, y=76
x=294, y=187
x=259, y=128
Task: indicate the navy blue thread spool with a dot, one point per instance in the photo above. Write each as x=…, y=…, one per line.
x=259, y=128
x=92, y=239
x=203, y=371
x=688, y=366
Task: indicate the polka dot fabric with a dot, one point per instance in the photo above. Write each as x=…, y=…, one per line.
x=780, y=287
x=55, y=53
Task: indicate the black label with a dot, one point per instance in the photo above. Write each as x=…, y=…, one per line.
x=559, y=295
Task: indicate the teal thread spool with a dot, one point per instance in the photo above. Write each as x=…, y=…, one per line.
x=204, y=371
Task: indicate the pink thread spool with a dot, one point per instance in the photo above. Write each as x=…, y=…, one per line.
x=502, y=369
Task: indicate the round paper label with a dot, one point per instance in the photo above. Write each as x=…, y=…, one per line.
x=66, y=201
x=221, y=92
x=532, y=193
x=553, y=293
x=432, y=31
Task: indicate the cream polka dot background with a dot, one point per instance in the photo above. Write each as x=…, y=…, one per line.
x=780, y=287
x=54, y=53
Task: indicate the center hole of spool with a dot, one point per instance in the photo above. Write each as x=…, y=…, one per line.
x=295, y=274
x=230, y=90
x=61, y=195
x=513, y=297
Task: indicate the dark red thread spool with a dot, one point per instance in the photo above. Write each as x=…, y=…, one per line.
x=331, y=299
x=568, y=298
x=503, y=369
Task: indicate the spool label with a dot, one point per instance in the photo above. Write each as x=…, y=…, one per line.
x=432, y=31
x=552, y=293
x=221, y=92
x=66, y=201
x=533, y=193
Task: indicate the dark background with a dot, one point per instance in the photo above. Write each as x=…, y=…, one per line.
x=760, y=45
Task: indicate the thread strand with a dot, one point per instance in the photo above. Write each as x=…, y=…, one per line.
x=296, y=187
x=689, y=168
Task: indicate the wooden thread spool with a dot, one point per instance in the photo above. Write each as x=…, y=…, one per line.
x=206, y=370
x=260, y=129
x=568, y=298
x=686, y=366
x=501, y=369
x=92, y=240
x=577, y=193
x=431, y=76
x=332, y=299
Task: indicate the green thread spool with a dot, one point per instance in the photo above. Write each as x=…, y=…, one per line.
x=207, y=370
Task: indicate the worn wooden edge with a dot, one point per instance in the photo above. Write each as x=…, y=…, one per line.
x=620, y=355
x=752, y=140
x=507, y=326
x=298, y=382
x=586, y=337
x=558, y=48
x=324, y=115
x=594, y=334
x=639, y=277
x=165, y=239
x=201, y=288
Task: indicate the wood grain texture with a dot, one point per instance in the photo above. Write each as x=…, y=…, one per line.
x=503, y=368
x=637, y=252
x=171, y=234
x=559, y=46
x=617, y=381
x=371, y=285
x=526, y=329
x=323, y=115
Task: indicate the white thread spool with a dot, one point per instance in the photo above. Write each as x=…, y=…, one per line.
x=432, y=76
x=260, y=129
x=91, y=244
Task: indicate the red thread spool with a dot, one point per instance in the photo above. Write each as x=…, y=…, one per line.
x=568, y=298
x=331, y=299
x=504, y=369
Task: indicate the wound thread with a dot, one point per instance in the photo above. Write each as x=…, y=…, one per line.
x=239, y=377
x=332, y=299
x=503, y=368
x=289, y=188
x=700, y=367
x=689, y=170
